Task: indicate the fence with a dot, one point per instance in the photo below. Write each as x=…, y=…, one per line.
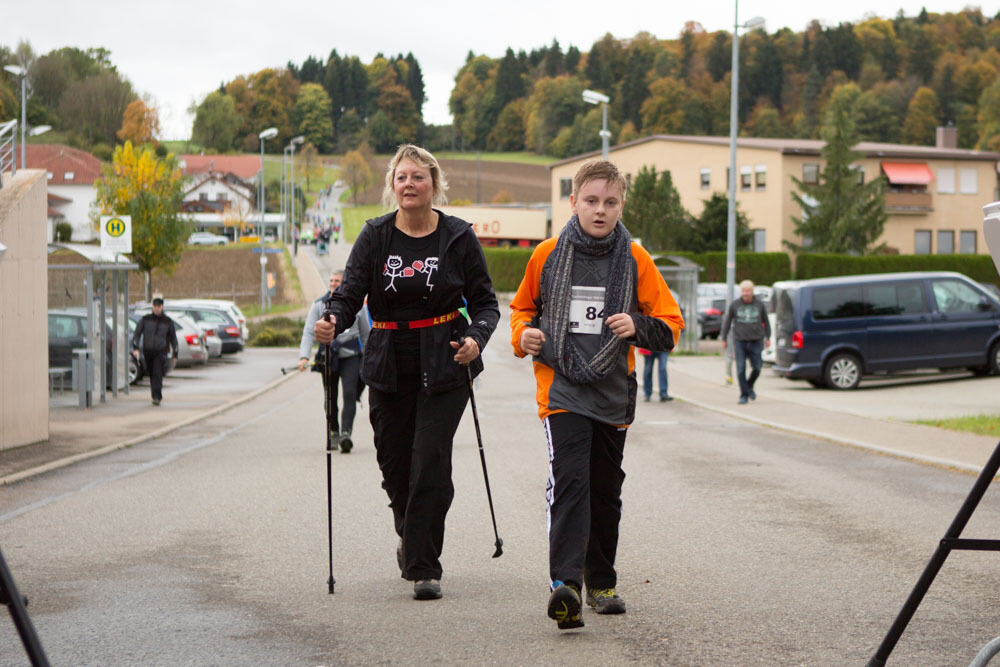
x=8, y=148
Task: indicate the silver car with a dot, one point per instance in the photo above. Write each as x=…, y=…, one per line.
x=191, y=344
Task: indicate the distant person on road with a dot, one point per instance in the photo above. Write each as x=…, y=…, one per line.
x=650, y=359
x=346, y=353
x=296, y=235
x=156, y=336
x=751, y=334
x=417, y=266
x=587, y=297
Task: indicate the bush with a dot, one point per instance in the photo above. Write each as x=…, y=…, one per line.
x=817, y=265
x=64, y=232
x=268, y=337
x=506, y=267
x=764, y=268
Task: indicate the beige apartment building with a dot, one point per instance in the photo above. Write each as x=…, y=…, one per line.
x=935, y=194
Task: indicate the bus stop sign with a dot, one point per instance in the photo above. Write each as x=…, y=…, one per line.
x=116, y=233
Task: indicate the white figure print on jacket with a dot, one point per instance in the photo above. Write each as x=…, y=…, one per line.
x=394, y=269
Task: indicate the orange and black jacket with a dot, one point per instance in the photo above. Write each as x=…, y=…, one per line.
x=658, y=323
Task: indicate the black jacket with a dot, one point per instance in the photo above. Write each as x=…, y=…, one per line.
x=157, y=334
x=461, y=274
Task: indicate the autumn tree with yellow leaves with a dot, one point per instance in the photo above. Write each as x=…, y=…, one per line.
x=140, y=124
x=150, y=189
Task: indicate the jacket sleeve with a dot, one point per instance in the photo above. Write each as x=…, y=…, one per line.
x=350, y=296
x=137, y=335
x=527, y=300
x=765, y=320
x=172, y=338
x=308, y=337
x=659, y=322
x=481, y=301
x=727, y=321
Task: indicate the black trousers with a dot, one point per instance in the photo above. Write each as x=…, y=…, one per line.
x=156, y=367
x=584, y=499
x=414, y=432
x=348, y=369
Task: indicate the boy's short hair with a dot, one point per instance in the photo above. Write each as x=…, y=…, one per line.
x=597, y=170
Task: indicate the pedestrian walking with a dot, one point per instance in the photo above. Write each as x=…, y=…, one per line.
x=345, y=355
x=650, y=359
x=586, y=298
x=747, y=316
x=417, y=266
x=156, y=336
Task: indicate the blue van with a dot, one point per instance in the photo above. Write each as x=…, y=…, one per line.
x=831, y=331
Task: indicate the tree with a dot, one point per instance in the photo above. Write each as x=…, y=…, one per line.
x=382, y=133
x=653, y=210
x=150, y=189
x=988, y=120
x=313, y=116
x=140, y=124
x=216, y=122
x=356, y=172
x=309, y=166
x=663, y=111
x=839, y=214
x=921, y=117
x=508, y=133
x=93, y=108
x=710, y=230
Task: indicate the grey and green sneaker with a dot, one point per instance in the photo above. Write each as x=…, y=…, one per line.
x=605, y=601
x=564, y=605
x=427, y=589
x=345, y=442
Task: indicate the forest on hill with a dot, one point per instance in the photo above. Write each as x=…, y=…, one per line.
x=905, y=75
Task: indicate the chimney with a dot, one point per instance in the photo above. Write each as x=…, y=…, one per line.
x=946, y=137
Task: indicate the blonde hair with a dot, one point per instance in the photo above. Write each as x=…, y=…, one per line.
x=746, y=284
x=425, y=159
x=597, y=170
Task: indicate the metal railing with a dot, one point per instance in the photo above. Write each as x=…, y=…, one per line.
x=8, y=148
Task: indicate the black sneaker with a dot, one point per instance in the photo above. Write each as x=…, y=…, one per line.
x=156, y=401
x=345, y=442
x=564, y=606
x=753, y=395
x=664, y=399
x=605, y=601
x=427, y=589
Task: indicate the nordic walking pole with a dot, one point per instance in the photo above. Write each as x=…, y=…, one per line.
x=288, y=369
x=331, y=412
x=482, y=457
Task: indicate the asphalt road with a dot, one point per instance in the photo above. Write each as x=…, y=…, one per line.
x=740, y=545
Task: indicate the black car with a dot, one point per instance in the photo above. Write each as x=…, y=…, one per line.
x=710, y=314
x=67, y=332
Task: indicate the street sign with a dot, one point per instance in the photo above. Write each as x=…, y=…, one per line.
x=116, y=233
x=270, y=251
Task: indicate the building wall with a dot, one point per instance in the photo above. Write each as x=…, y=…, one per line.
x=772, y=207
x=24, y=340
x=77, y=211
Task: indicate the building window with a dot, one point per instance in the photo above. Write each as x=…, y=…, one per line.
x=760, y=177
x=745, y=178
x=760, y=240
x=810, y=174
x=945, y=181
x=861, y=173
x=946, y=242
x=967, y=242
x=922, y=242
x=565, y=188
x=202, y=196
x=968, y=181
x=706, y=179
x=50, y=175
x=69, y=175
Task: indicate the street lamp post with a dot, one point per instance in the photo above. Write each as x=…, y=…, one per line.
x=295, y=140
x=261, y=204
x=594, y=97
x=17, y=70
x=753, y=24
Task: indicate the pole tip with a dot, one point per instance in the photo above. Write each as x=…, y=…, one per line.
x=330, y=582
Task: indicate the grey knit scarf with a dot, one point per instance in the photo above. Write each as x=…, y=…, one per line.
x=557, y=282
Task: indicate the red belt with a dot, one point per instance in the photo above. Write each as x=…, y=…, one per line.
x=417, y=324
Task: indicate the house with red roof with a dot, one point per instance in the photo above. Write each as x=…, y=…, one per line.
x=71, y=195
x=220, y=191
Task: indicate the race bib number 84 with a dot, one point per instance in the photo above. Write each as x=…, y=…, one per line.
x=586, y=310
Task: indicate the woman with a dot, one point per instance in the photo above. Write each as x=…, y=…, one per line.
x=417, y=267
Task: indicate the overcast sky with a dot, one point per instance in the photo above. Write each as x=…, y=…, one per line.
x=177, y=52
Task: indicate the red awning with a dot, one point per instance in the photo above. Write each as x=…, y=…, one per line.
x=908, y=173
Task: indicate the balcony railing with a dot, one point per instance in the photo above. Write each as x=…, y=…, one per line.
x=916, y=203
x=8, y=148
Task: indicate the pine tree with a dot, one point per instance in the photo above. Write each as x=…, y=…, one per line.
x=839, y=215
x=653, y=210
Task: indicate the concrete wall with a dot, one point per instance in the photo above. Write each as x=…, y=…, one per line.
x=24, y=333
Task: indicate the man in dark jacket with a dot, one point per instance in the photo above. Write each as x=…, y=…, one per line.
x=751, y=334
x=156, y=336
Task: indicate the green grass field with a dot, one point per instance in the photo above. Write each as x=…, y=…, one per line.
x=522, y=157
x=979, y=424
x=354, y=219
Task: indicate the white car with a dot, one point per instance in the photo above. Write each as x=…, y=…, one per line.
x=207, y=238
x=229, y=307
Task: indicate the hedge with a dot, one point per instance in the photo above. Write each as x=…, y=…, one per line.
x=816, y=265
x=763, y=268
x=506, y=266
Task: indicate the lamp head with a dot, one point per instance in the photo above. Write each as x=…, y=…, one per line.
x=269, y=133
x=39, y=129
x=594, y=97
x=16, y=70
x=298, y=140
x=756, y=23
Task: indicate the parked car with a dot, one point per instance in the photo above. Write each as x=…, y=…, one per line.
x=209, y=318
x=992, y=289
x=229, y=306
x=832, y=331
x=67, y=332
x=207, y=238
x=710, y=301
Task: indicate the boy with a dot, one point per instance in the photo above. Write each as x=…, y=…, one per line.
x=586, y=298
